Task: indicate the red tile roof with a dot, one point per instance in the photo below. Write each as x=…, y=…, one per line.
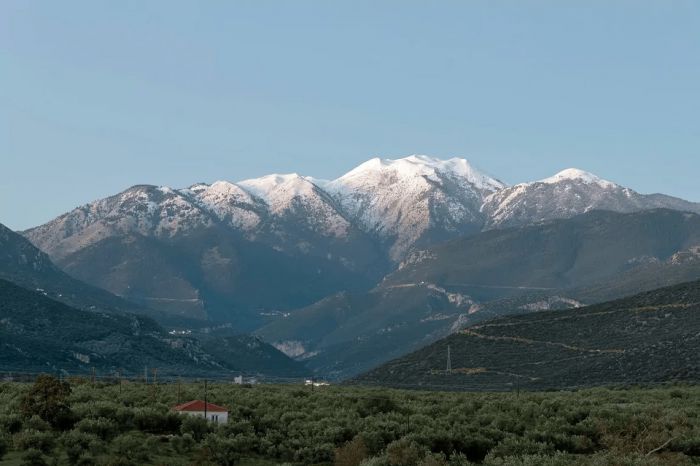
x=198, y=405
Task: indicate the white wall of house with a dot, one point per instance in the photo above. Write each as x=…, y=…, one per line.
x=215, y=417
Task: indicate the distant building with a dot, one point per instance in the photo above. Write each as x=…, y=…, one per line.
x=239, y=380
x=319, y=383
x=214, y=413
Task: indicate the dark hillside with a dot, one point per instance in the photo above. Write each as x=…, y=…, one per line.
x=647, y=338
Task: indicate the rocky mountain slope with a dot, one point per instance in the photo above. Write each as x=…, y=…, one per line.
x=174, y=252
x=651, y=337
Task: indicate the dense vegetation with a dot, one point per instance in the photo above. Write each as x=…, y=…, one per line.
x=53, y=422
x=650, y=337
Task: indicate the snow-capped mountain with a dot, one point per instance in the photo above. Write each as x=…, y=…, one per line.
x=415, y=200
x=298, y=197
x=150, y=211
x=283, y=241
x=218, y=250
x=229, y=203
x=568, y=193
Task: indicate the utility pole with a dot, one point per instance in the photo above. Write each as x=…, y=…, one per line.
x=449, y=360
x=205, y=398
x=179, y=381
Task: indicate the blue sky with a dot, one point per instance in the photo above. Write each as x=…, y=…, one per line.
x=96, y=96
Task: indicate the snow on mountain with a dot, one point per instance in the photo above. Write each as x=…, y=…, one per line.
x=412, y=200
x=297, y=196
x=568, y=193
x=574, y=174
x=230, y=203
x=145, y=210
x=398, y=204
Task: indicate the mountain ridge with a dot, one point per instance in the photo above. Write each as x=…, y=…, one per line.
x=651, y=337
x=214, y=243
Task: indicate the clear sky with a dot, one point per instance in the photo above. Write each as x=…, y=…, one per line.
x=96, y=96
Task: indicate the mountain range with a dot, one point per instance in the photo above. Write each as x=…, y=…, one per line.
x=347, y=274
x=252, y=251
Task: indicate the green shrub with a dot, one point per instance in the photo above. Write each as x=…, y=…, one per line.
x=157, y=421
x=132, y=446
x=196, y=426
x=518, y=446
x=183, y=443
x=33, y=457
x=101, y=427
x=77, y=444
x=34, y=439
x=11, y=423
x=221, y=451
x=4, y=446
x=37, y=423
x=404, y=452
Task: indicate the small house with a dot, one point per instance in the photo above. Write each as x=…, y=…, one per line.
x=210, y=411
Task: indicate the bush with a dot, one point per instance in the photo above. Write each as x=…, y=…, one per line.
x=101, y=427
x=352, y=453
x=221, y=451
x=33, y=457
x=34, y=440
x=196, y=426
x=379, y=404
x=404, y=452
x=518, y=446
x=79, y=444
x=157, y=422
x=131, y=446
x=11, y=423
x=37, y=423
x=183, y=443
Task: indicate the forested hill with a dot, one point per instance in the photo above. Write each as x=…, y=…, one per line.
x=651, y=337
x=40, y=334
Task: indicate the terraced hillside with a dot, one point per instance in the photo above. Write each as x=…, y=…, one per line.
x=647, y=338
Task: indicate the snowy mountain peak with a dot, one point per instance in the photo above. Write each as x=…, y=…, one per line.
x=574, y=174
x=423, y=166
x=270, y=186
x=412, y=200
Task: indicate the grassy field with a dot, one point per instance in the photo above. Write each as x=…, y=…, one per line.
x=45, y=423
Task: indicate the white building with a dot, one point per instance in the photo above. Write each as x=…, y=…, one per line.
x=316, y=384
x=214, y=413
